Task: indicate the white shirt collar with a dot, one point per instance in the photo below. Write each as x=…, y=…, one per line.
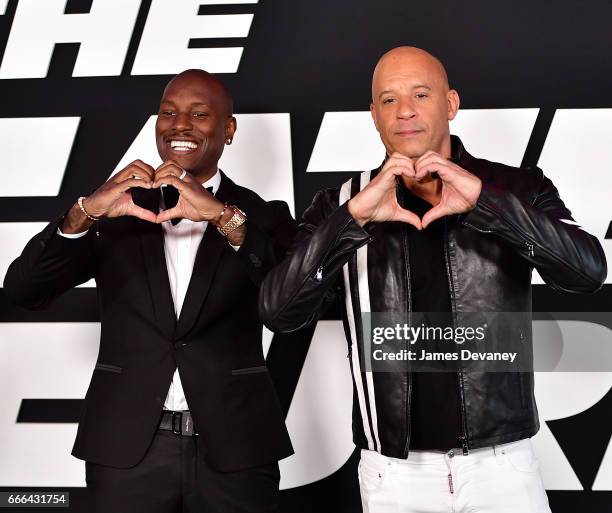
x=214, y=181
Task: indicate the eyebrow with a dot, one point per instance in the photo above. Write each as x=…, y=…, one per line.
x=418, y=86
x=192, y=105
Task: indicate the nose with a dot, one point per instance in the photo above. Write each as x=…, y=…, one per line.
x=405, y=109
x=182, y=122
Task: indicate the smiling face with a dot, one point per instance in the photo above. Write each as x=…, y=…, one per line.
x=194, y=122
x=412, y=103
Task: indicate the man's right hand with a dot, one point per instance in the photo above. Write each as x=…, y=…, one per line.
x=113, y=199
x=377, y=202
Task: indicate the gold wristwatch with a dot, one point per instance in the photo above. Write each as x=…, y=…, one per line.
x=237, y=220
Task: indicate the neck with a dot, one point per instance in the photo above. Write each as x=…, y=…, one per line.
x=429, y=189
x=446, y=147
x=205, y=175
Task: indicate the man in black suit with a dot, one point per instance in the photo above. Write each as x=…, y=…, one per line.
x=181, y=411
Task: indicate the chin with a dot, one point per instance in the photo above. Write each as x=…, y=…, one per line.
x=411, y=151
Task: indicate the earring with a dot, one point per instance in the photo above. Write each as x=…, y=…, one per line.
x=228, y=141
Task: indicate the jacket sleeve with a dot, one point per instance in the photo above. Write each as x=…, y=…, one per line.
x=544, y=233
x=294, y=293
x=267, y=240
x=48, y=266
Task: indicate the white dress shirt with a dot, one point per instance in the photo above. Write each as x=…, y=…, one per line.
x=181, y=244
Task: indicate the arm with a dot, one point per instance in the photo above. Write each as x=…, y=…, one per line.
x=293, y=294
x=52, y=263
x=49, y=265
x=266, y=242
x=568, y=258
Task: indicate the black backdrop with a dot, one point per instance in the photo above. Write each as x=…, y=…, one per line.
x=308, y=58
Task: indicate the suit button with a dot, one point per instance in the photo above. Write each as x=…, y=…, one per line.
x=179, y=345
x=255, y=260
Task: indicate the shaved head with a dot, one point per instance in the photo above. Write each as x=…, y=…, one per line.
x=409, y=54
x=412, y=102
x=222, y=93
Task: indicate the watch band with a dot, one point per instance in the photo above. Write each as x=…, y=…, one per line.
x=237, y=220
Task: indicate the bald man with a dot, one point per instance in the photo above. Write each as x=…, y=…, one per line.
x=181, y=414
x=438, y=240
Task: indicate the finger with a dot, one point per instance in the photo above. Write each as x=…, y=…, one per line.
x=398, y=160
x=398, y=156
x=425, y=170
x=138, y=174
x=406, y=216
x=132, y=182
x=141, y=213
x=150, y=172
x=429, y=168
x=172, y=169
x=428, y=155
x=181, y=174
x=448, y=173
x=435, y=213
x=388, y=176
x=169, y=164
x=137, y=168
x=127, y=171
x=171, y=180
x=172, y=213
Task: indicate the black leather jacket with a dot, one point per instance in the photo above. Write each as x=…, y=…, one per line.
x=490, y=253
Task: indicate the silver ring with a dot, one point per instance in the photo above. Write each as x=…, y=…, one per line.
x=183, y=175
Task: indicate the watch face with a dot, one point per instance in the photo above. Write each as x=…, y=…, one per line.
x=239, y=212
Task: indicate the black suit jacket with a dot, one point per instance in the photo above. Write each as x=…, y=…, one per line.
x=216, y=342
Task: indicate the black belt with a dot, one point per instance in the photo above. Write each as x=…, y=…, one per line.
x=179, y=422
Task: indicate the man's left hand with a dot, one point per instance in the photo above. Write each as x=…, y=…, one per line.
x=460, y=188
x=194, y=203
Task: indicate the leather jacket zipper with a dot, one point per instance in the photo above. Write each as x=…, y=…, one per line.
x=463, y=437
x=409, y=305
x=529, y=245
x=319, y=273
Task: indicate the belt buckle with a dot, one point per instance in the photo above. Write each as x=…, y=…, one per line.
x=187, y=428
x=176, y=426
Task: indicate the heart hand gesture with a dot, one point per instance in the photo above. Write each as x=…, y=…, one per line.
x=194, y=202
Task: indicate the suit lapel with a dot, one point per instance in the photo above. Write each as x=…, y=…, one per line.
x=152, y=242
x=207, y=259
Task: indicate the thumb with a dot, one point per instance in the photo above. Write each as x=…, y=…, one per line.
x=434, y=213
x=406, y=216
x=141, y=213
x=173, y=213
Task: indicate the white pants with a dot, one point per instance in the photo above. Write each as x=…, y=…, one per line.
x=499, y=479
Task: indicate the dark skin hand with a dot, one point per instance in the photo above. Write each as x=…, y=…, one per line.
x=195, y=202
x=113, y=199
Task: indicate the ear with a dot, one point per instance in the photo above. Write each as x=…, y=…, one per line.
x=453, y=104
x=230, y=127
x=373, y=114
